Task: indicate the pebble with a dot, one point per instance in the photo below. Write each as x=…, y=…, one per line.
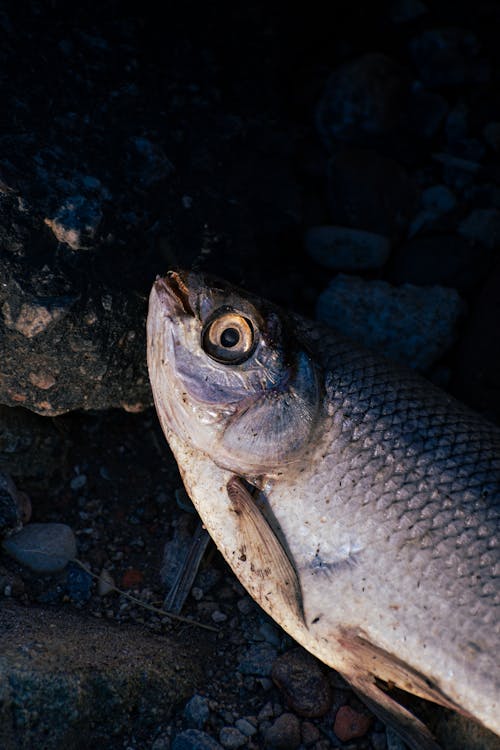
x=258, y=660
x=42, y=547
x=371, y=192
x=76, y=222
x=284, y=733
x=78, y=482
x=404, y=11
x=196, y=711
x=346, y=249
x=482, y=225
x=105, y=583
x=194, y=739
x=132, y=578
x=245, y=727
x=410, y=324
x=350, y=724
x=303, y=682
x=439, y=199
x=161, y=743
x=231, y=738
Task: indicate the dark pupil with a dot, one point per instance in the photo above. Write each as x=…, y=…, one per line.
x=229, y=337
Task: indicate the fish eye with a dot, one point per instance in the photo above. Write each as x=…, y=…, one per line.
x=228, y=337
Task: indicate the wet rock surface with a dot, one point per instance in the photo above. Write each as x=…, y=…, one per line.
x=150, y=146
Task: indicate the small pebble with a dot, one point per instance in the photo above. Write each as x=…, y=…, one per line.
x=197, y=712
x=218, y=616
x=258, y=660
x=310, y=733
x=161, y=743
x=105, y=583
x=284, y=733
x=303, y=682
x=78, y=482
x=231, y=738
x=42, y=547
x=350, y=724
x=194, y=739
x=346, y=249
x=132, y=578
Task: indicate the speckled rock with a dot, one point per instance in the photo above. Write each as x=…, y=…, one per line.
x=346, y=249
x=42, y=547
x=194, y=739
x=303, y=682
x=284, y=733
x=410, y=324
x=64, y=676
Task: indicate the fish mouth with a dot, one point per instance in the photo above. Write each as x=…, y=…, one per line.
x=173, y=292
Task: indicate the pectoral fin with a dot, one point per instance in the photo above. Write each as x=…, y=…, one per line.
x=271, y=573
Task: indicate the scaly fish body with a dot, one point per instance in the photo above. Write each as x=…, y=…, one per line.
x=372, y=537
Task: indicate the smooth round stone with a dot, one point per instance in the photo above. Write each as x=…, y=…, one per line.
x=194, y=739
x=42, y=547
x=410, y=324
x=346, y=249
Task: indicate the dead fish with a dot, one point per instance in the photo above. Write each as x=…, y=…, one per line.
x=355, y=501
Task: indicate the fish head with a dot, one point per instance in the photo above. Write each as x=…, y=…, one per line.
x=228, y=376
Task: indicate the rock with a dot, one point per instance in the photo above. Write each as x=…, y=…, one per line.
x=78, y=584
x=73, y=342
x=106, y=583
x=32, y=447
x=76, y=222
x=350, y=724
x=446, y=259
x=410, y=324
x=196, y=711
x=284, y=733
x=404, y=11
x=476, y=372
x=246, y=727
x=482, y=225
x=491, y=134
x=15, y=506
x=232, y=738
x=370, y=192
x=42, y=547
x=161, y=743
x=448, y=57
x=258, y=660
x=439, y=199
x=363, y=97
x=303, y=683
x=64, y=677
x=345, y=249
x=132, y=578
x=310, y=733
x=194, y=739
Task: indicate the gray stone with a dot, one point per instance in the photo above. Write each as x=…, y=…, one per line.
x=258, y=660
x=65, y=677
x=194, y=739
x=410, y=324
x=196, y=711
x=303, y=682
x=284, y=733
x=42, y=547
x=231, y=738
x=346, y=249
x=482, y=225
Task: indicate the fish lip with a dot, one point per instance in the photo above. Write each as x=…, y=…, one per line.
x=173, y=293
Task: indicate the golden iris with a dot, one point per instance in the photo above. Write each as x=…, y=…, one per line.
x=228, y=337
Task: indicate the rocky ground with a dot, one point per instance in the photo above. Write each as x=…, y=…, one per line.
x=348, y=169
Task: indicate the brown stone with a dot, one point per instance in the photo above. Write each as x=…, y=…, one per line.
x=350, y=724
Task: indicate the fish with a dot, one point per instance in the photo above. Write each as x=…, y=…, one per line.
x=356, y=502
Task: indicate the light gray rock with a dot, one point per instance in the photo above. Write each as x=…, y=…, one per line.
x=42, y=547
x=246, y=727
x=346, y=249
x=410, y=324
